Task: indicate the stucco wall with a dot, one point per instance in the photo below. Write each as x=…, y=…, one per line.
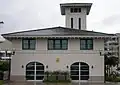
x=76, y=17
x=66, y=57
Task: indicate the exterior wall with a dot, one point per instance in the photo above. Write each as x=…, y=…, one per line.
x=76, y=17
x=66, y=57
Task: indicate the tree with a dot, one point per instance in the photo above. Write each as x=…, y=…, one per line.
x=4, y=66
x=109, y=62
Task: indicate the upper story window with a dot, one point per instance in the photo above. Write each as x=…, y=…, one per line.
x=57, y=44
x=75, y=10
x=86, y=44
x=28, y=44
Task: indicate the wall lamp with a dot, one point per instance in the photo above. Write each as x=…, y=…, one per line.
x=92, y=67
x=67, y=66
x=46, y=66
x=101, y=52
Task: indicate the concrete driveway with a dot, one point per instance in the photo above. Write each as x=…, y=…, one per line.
x=39, y=83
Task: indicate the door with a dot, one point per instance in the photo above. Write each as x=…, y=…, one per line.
x=79, y=71
x=34, y=71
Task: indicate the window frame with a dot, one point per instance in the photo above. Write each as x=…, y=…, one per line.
x=29, y=47
x=61, y=46
x=86, y=44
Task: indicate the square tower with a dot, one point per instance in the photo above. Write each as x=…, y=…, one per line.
x=76, y=14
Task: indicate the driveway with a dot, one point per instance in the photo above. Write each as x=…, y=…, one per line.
x=38, y=83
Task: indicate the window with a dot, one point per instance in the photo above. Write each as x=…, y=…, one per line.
x=28, y=44
x=57, y=44
x=86, y=44
x=79, y=9
x=71, y=22
x=71, y=10
x=79, y=23
x=75, y=10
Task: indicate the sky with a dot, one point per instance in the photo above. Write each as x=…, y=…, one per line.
x=19, y=15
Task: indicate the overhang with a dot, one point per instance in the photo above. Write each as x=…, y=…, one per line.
x=81, y=5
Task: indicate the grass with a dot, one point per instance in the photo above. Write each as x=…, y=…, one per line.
x=1, y=82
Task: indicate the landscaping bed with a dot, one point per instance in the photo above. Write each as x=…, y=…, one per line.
x=57, y=77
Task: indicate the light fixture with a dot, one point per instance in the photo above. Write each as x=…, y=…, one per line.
x=67, y=66
x=101, y=52
x=47, y=66
x=92, y=66
x=22, y=66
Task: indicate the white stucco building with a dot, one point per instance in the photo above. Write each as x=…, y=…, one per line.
x=70, y=48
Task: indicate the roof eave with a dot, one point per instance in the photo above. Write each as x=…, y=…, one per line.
x=77, y=36
x=65, y=5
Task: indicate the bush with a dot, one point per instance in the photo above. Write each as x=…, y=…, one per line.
x=4, y=66
x=57, y=76
x=113, y=79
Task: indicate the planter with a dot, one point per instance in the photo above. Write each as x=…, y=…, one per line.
x=57, y=77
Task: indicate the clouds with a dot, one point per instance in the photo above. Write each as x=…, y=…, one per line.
x=111, y=20
x=30, y=14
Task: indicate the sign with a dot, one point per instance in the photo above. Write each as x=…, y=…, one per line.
x=57, y=60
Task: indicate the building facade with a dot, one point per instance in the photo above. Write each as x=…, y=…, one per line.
x=71, y=48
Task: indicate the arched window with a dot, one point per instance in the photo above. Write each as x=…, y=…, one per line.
x=34, y=71
x=79, y=71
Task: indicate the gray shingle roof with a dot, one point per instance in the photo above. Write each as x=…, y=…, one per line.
x=57, y=31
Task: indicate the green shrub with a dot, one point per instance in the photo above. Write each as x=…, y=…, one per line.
x=113, y=79
x=4, y=66
x=57, y=76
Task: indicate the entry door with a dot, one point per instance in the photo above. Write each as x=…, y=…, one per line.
x=34, y=71
x=79, y=71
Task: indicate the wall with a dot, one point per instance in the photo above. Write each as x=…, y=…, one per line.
x=76, y=17
x=67, y=57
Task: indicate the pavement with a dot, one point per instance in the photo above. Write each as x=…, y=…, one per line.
x=40, y=83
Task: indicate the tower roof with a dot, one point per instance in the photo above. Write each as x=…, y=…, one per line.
x=67, y=5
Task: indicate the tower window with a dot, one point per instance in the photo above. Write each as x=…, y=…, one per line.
x=79, y=9
x=71, y=10
x=75, y=10
x=71, y=22
x=79, y=23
